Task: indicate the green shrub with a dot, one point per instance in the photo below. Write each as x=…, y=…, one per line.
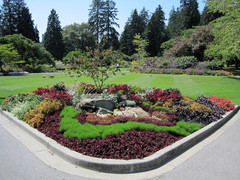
x=185, y=62
x=215, y=65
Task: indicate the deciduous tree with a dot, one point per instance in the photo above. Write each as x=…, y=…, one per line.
x=225, y=30
x=77, y=36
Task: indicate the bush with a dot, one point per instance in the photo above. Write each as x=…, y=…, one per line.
x=85, y=88
x=215, y=65
x=10, y=102
x=63, y=97
x=21, y=108
x=191, y=111
x=158, y=96
x=185, y=62
x=217, y=111
x=59, y=87
x=123, y=89
x=41, y=91
x=36, y=116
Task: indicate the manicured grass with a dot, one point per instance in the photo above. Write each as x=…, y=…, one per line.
x=192, y=86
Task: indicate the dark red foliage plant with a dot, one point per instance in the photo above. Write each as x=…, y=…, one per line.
x=41, y=91
x=133, y=144
x=63, y=97
x=159, y=94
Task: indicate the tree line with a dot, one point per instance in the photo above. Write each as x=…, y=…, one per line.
x=102, y=23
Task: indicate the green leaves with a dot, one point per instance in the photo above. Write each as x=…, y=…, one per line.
x=226, y=30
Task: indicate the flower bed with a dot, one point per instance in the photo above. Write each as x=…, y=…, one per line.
x=171, y=116
x=177, y=71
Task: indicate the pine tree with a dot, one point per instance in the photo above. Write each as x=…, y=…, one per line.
x=173, y=23
x=16, y=18
x=53, y=40
x=156, y=32
x=189, y=15
x=135, y=25
x=26, y=25
x=8, y=18
x=125, y=41
x=109, y=21
x=96, y=18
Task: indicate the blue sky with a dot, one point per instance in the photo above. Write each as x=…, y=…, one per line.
x=76, y=11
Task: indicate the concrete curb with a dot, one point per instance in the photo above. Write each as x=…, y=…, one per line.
x=122, y=166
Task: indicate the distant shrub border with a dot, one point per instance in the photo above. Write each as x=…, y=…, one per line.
x=177, y=71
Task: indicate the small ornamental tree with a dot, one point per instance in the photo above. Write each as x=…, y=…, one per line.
x=141, y=45
x=99, y=64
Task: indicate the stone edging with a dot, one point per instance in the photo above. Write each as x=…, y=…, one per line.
x=122, y=166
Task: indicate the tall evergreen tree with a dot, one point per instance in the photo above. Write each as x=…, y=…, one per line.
x=144, y=15
x=134, y=25
x=189, y=15
x=8, y=18
x=109, y=21
x=16, y=18
x=26, y=25
x=96, y=18
x=156, y=32
x=173, y=23
x=53, y=40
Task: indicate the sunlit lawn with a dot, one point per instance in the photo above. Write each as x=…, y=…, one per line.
x=192, y=86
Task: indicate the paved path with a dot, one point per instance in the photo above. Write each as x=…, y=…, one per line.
x=215, y=158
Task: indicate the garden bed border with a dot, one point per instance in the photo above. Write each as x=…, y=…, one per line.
x=122, y=166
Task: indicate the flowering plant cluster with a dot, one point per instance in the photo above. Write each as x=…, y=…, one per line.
x=226, y=104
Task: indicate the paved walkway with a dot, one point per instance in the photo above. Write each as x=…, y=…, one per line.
x=215, y=158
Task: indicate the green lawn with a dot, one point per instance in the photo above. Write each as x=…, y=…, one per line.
x=192, y=86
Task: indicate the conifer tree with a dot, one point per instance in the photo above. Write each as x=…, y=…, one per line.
x=16, y=18
x=189, y=15
x=156, y=32
x=53, y=40
x=96, y=18
x=109, y=21
x=135, y=25
x=173, y=23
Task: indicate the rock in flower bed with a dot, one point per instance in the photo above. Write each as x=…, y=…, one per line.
x=171, y=116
